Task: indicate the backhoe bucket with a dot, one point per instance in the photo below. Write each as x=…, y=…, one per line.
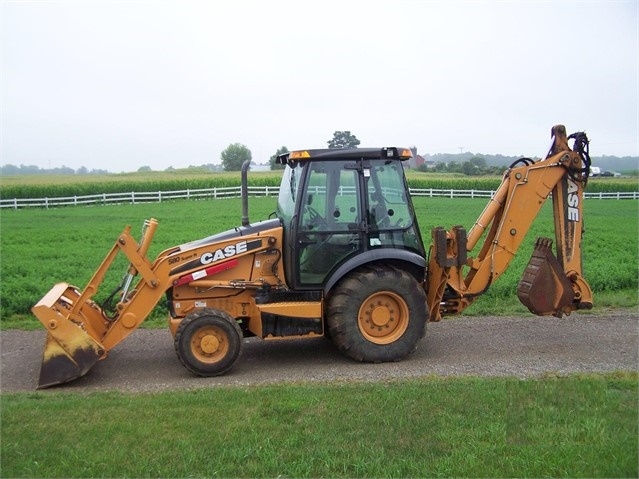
x=544, y=288
x=73, y=326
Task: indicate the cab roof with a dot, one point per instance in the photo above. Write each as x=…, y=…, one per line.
x=330, y=154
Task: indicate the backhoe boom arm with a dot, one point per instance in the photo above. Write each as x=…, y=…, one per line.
x=551, y=285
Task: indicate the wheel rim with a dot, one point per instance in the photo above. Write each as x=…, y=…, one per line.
x=209, y=344
x=383, y=317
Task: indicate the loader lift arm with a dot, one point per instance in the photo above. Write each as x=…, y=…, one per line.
x=76, y=325
x=80, y=332
x=550, y=284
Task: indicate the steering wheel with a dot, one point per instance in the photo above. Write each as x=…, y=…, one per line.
x=384, y=220
x=315, y=219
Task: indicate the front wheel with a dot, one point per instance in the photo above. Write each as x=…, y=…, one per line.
x=377, y=314
x=208, y=342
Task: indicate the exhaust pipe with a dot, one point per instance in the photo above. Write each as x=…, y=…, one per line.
x=245, y=217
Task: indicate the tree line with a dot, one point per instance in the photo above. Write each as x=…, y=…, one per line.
x=12, y=170
x=474, y=166
x=234, y=155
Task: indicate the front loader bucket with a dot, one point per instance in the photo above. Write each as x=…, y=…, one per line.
x=61, y=364
x=73, y=327
x=544, y=288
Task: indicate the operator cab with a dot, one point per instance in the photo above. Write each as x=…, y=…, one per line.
x=342, y=208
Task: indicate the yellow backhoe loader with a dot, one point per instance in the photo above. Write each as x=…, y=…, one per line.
x=342, y=256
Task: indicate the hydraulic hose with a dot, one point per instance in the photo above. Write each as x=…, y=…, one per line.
x=582, y=147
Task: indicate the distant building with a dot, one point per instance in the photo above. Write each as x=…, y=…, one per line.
x=429, y=163
x=418, y=161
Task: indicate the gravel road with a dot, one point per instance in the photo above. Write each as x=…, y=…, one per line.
x=479, y=346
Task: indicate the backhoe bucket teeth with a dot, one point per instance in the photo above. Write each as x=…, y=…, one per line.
x=70, y=350
x=544, y=288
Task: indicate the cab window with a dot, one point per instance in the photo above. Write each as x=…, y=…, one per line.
x=329, y=220
x=287, y=197
x=388, y=206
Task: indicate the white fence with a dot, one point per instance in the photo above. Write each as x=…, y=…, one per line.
x=234, y=192
x=134, y=197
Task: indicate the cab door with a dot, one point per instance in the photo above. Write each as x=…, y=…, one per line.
x=330, y=226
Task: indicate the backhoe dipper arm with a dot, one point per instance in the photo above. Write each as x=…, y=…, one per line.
x=550, y=285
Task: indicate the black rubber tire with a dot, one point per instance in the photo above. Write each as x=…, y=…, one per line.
x=208, y=342
x=377, y=314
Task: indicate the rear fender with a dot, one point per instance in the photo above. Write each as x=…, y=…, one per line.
x=415, y=263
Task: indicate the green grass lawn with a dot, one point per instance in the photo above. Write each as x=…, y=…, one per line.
x=576, y=426
x=41, y=247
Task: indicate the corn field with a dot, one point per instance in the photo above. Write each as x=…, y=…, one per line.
x=45, y=186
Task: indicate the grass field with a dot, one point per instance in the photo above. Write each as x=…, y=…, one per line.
x=577, y=426
x=41, y=247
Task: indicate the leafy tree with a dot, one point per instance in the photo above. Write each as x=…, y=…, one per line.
x=343, y=139
x=210, y=167
x=441, y=167
x=275, y=166
x=144, y=169
x=479, y=162
x=63, y=170
x=234, y=155
x=475, y=166
x=469, y=169
x=32, y=169
x=454, y=167
x=6, y=170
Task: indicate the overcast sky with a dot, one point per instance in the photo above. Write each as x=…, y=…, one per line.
x=118, y=85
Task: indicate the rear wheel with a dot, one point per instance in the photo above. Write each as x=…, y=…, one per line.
x=208, y=342
x=377, y=314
